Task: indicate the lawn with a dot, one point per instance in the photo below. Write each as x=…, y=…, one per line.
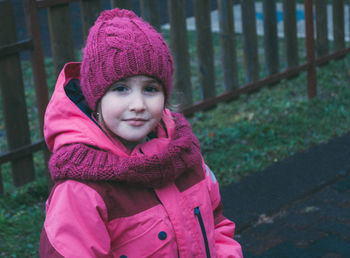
x=237, y=138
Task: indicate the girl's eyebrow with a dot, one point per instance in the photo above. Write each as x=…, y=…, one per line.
x=119, y=82
x=151, y=80
x=148, y=80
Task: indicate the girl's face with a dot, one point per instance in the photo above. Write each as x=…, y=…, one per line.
x=132, y=108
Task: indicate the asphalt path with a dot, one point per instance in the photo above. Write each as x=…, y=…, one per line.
x=299, y=207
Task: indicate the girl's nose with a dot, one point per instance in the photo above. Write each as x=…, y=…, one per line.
x=137, y=103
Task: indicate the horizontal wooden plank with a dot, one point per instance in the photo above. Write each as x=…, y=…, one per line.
x=26, y=44
x=49, y=3
x=332, y=56
x=22, y=151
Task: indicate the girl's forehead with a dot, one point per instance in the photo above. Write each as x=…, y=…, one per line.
x=141, y=78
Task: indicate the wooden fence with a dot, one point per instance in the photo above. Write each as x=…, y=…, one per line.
x=20, y=149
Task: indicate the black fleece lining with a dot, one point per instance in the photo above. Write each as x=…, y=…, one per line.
x=74, y=93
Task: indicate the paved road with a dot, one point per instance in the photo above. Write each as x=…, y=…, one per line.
x=299, y=207
x=317, y=226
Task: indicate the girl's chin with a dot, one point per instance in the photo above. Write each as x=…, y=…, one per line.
x=132, y=141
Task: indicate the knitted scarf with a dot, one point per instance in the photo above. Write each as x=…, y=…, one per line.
x=83, y=162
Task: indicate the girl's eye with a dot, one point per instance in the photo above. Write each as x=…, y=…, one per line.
x=152, y=89
x=119, y=88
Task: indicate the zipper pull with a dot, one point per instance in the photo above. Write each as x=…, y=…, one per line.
x=196, y=211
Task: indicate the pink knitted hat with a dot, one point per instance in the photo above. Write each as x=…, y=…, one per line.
x=119, y=45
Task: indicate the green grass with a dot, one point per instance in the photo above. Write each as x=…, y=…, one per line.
x=237, y=138
x=22, y=213
x=21, y=219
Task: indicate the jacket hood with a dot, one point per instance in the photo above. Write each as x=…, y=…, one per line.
x=68, y=119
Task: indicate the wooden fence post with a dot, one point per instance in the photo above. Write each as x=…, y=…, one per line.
x=321, y=28
x=150, y=12
x=1, y=183
x=37, y=60
x=250, y=41
x=270, y=37
x=228, y=45
x=205, y=49
x=338, y=24
x=61, y=35
x=290, y=33
x=122, y=4
x=179, y=46
x=310, y=49
x=39, y=73
x=90, y=9
x=13, y=99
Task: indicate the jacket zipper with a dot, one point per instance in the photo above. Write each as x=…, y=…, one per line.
x=198, y=214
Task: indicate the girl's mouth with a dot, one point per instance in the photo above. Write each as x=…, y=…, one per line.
x=136, y=121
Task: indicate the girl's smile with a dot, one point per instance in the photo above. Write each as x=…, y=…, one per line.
x=132, y=108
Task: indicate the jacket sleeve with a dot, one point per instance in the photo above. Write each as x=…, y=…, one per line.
x=225, y=245
x=75, y=223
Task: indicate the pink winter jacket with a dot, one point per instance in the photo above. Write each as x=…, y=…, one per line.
x=113, y=219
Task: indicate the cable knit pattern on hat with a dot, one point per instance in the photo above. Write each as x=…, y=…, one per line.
x=120, y=45
x=79, y=161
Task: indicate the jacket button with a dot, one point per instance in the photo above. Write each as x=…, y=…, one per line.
x=162, y=235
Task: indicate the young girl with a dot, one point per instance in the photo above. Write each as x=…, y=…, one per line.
x=130, y=180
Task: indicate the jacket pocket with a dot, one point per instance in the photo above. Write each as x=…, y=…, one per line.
x=148, y=234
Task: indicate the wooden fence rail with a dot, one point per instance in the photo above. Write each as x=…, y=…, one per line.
x=61, y=35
